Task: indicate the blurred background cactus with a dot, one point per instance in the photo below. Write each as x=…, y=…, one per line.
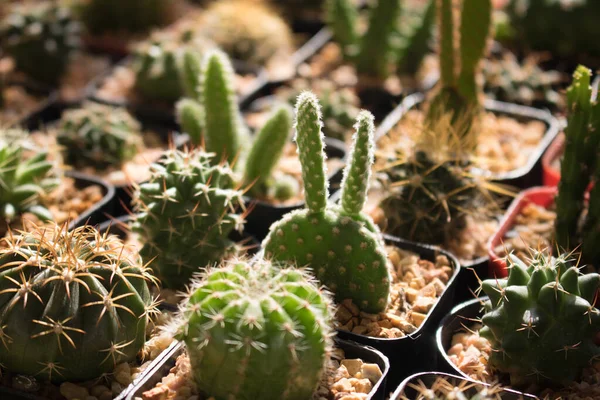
x=98, y=135
x=40, y=38
x=267, y=326
x=73, y=304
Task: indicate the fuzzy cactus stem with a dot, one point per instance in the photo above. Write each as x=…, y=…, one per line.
x=190, y=116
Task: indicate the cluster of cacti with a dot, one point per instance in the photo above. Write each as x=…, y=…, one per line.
x=24, y=178
x=460, y=51
x=444, y=388
x=247, y=30
x=340, y=243
x=507, y=79
x=212, y=117
x=73, y=304
x=99, y=135
x=579, y=168
x=158, y=64
x=542, y=322
x=40, y=38
x=131, y=16
x=267, y=328
x=185, y=213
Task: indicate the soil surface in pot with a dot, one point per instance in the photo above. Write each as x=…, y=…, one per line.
x=135, y=170
x=18, y=104
x=503, y=143
x=344, y=379
x=470, y=354
x=417, y=285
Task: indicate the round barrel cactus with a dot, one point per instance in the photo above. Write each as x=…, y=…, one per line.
x=257, y=332
x=73, y=304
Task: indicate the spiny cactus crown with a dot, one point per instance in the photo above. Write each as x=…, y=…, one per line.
x=40, y=38
x=341, y=244
x=24, y=178
x=73, y=304
x=98, y=135
x=445, y=389
x=185, y=213
x=267, y=327
x=542, y=321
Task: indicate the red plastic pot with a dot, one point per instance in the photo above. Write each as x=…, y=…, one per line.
x=551, y=175
x=541, y=196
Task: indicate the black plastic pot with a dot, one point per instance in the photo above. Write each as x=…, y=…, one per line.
x=98, y=212
x=265, y=214
x=405, y=391
x=416, y=351
x=524, y=177
x=162, y=364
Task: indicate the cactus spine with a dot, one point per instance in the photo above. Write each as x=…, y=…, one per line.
x=185, y=213
x=73, y=304
x=444, y=388
x=267, y=328
x=340, y=244
x=542, y=321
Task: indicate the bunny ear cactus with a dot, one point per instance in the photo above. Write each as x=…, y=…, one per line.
x=73, y=304
x=99, y=135
x=341, y=244
x=542, y=321
x=267, y=327
x=185, y=213
x=40, y=38
x=459, y=62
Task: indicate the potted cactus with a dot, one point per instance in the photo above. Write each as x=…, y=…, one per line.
x=519, y=343
x=42, y=40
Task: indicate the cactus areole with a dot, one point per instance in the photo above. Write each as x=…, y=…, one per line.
x=73, y=304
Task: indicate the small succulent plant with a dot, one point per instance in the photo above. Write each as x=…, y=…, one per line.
x=340, y=243
x=40, y=38
x=444, y=388
x=213, y=117
x=185, y=213
x=132, y=16
x=247, y=30
x=72, y=304
x=24, y=178
x=267, y=327
x=98, y=135
x=542, y=321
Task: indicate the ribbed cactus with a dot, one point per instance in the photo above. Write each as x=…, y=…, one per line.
x=73, y=304
x=185, y=213
x=542, y=322
x=458, y=92
x=24, y=178
x=98, y=135
x=131, y=16
x=341, y=244
x=372, y=53
x=40, y=38
x=266, y=327
x=247, y=30
x=579, y=160
x=443, y=388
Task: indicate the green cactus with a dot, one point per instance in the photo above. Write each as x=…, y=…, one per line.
x=98, y=135
x=24, y=178
x=73, y=304
x=458, y=92
x=415, y=35
x=247, y=30
x=131, y=16
x=542, y=321
x=341, y=244
x=443, y=388
x=579, y=159
x=267, y=327
x=190, y=117
x=185, y=213
x=40, y=38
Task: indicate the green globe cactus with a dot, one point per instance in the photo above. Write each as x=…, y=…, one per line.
x=98, y=135
x=132, y=16
x=24, y=178
x=542, y=321
x=447, y=388
x=40, y=38
x=341, y=244
x=185, y=213
x=73, y=304
x=267, y=327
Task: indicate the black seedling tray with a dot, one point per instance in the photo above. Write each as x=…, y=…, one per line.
x=97, y=213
